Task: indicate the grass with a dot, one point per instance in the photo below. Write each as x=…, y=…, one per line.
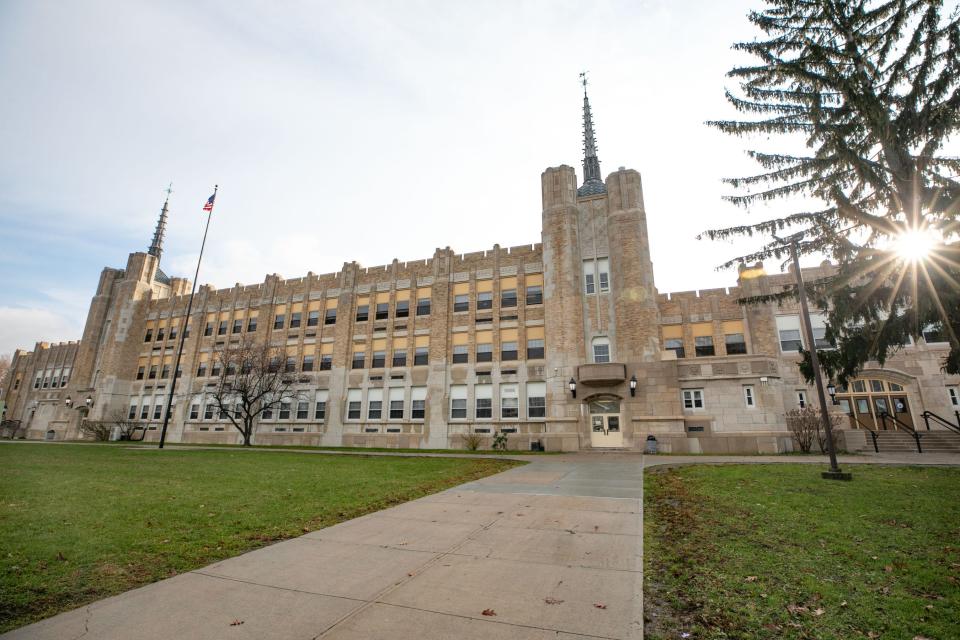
x=79, y=523
x=300, y=447
x=749, y=551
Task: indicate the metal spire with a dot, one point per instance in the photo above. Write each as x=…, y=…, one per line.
x=592, y=182
x=156, y=247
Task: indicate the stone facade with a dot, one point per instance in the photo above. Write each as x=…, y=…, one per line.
x=459, y=343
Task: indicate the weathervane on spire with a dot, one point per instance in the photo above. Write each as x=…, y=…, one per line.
x=592, y=184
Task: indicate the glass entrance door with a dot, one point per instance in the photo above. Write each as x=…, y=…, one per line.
x=605, y=424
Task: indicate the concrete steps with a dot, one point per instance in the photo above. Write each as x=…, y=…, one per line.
x=930, y=442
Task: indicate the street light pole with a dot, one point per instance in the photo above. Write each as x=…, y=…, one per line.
x=834, y=473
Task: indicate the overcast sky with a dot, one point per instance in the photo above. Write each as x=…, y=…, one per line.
x=342, y=131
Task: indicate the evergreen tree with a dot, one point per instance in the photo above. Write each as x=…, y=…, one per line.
x=873, y=89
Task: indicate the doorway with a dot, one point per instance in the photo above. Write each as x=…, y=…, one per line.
x=605, y=422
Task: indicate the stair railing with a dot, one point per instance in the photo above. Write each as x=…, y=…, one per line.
x=928, y=415
x=884, y=416
x=870, y=430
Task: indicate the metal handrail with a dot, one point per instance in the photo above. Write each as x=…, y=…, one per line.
x=870, y=430
x=949, y=425
x=903, y=425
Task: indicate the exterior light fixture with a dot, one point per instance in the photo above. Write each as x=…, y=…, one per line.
x=68, y=401
x=832, y=390
x=572, y=385
x=89, y=402
x=633, y=385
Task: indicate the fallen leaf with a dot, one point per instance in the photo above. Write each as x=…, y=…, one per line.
x=888, y=568
x=599, y=605
x=843, y=604
x=236, y=623
x=61, y=557
x=489, y=612
x=794, y=609
x=552, y=600
x=818, y=612
x=751, y=579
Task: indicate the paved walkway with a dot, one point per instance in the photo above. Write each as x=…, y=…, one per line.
x=548, y=550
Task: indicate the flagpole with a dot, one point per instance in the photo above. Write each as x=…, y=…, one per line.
x=186, y=324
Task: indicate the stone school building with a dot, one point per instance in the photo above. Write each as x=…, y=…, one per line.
x=566, y=343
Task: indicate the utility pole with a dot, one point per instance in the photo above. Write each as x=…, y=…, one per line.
x=834, y=473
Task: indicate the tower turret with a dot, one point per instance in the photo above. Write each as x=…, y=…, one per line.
x=592, y=182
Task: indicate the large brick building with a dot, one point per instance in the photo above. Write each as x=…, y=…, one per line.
x=417, y=354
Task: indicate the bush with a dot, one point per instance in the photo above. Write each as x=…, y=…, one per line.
x=99, y=431
x=471, y=441
x=805, y=426
x=500, y=441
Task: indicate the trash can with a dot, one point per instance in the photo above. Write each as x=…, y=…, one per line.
x=651, y=445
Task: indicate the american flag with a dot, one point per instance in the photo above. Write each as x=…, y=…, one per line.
x=209, y=205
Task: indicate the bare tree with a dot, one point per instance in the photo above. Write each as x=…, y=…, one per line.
x=121, y=421
x=99, y=430
x=4, y=370
x=251, y=378
x=806, y=425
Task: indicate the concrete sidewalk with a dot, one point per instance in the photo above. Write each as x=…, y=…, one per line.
x=548, y=550
x=553, y=549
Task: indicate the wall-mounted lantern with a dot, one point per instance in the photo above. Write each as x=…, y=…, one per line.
x=572, y=385
x=633, y=385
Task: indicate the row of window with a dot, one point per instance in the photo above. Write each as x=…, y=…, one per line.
x=509, y=406
x=49, y=379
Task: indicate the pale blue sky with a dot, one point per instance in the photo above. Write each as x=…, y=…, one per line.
x=430, y=122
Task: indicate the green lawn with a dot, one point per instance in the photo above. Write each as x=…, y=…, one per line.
x=78, y=523
x=751, y=551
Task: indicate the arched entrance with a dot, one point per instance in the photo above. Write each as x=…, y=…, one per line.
x=605, y=422
x=865, y=399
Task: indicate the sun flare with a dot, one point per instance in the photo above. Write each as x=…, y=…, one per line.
x=914, y=245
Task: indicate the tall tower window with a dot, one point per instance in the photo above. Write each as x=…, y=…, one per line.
x=603, y=269
x=589, y=279
x=601, y=350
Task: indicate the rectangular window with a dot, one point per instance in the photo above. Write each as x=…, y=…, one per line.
x=402, y=309
x=461, y=302
x=802, y=399
x=290, y=365
x=383, y=311
x=358, y=359
x=313, y=318
x=222, y=328
x=145, y=412
x=460, y=353
x=536, y=400
x=418, y=401
x=748, y=398
x=326, y=362
x=484, y=400
x=194, y=411
x=484, y=353
x=237, y=325
x=458, y=402
x=703, y=346
x=954, y=396
x=295, y=319
x=330, y=316
x=535, y=289
x=140, y=372
x=252, y=324
x=303, y=410
x=535, y=348
x=157, y=411
x=379, y=359
x=36, y=383
x=589, y=278
x=508, y=298
x=279, y=321
x=692, y=399
x=153, y=372
x=267, y=409
x=603, y=266
x=421, y=355
x=307, y=363
x=374, y=404
x=284, y=413
x=933, y=333
x=160, y=333
x=202, y=370
x=423, y=306
x=396, y=403
x=173, y=332
x=208, y=329
x=399, y=358
x=735, y=344
x=601, y=350
x=320, y=410
x=509, y=401
x=485, y=300
x=508, y=351
x=165, y=371
x=149, y=336
x=363, y=312
x=132, y=415
x=818, y=322
x=789, y=329
x=675, y=345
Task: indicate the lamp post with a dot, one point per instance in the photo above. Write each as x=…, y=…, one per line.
x=572, y=385
x=633, y=385
x=834, y=473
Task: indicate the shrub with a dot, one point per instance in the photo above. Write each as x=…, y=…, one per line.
x=471, y=441
x=99, y=431
x=500, y=441
x=805, y=426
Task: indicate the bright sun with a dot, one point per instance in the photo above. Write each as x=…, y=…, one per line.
x=914, y=245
